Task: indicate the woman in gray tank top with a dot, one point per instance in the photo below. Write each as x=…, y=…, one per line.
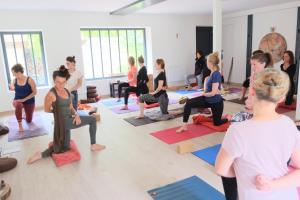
x=58, y=101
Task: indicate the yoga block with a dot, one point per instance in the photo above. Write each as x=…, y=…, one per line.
x=186, y=147
x=67, y=157
x=97, y=116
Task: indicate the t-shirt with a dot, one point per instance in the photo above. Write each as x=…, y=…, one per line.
x=73, y=80
x=262, y=147
x=160, y=77
x=131, y=73
x=215, y=77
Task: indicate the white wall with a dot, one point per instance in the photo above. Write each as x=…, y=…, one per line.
x=62, y=38
x=283, y=18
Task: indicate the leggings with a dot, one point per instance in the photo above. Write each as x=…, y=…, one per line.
x=289, y=97
x=85, y=120
x=162, y=99
x=200, y=102
x=135, y=90
x=230, y=188
x=120, y=88
x=28, y=108
x=75, y=99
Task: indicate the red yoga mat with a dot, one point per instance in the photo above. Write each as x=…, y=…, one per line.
x=289, y=107
x=281, y=110
x=170, y=136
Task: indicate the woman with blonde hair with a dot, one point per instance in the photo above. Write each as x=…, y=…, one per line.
x=211, y=98
x=256, y=151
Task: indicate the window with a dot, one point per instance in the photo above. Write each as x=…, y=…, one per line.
x=106, y=51
x=27, y=49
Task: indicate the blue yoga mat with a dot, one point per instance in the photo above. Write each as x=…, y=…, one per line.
x=184, y=92
x=209, y=154
x=114, y=102
x=192, y=188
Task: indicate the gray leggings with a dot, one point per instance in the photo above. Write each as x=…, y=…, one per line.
x=85, y=120
x=163, y=101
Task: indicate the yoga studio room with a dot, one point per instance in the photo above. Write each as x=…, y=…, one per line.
x=149, y=100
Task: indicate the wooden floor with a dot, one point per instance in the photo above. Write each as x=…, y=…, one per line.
x=133, y=163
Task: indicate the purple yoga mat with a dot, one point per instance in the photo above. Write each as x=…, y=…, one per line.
x=135, y=107
x=33, y=129
x=235, y=90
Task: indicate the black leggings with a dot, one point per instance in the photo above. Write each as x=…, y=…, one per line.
x=135, y=90
x=200, y=102
x=120, y=88
x=230, y=188
x=289, y=97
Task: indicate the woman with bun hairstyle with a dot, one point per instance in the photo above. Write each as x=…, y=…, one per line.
x=210, y=98
x=75, y=80
x=25, y=90
x=58, y=101
x=256, y=151
x=258, y=63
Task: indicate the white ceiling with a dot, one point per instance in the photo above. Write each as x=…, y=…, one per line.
x=167, y=7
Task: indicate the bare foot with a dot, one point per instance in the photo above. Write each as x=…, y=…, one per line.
x=97, y=147
x=124, y=108
x=228, y=117
x=21, y=129
x=140, y=117
x=181, y=129
x=35, y=157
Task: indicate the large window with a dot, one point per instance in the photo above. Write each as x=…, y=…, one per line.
x=25, y=48
x=105, y=51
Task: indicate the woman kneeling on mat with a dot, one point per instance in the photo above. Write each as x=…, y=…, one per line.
x=256, y=151
x=58, y=101
x=211, y=98
x=142, y=80
x=159, y=95
x=25, y=90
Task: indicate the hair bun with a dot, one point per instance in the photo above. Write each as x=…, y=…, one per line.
x=62, y=68
x=73, y=57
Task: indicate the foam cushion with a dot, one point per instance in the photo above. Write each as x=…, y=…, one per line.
x=152, y=105
x=67, y=157
x=208, y=122
x=290, y=107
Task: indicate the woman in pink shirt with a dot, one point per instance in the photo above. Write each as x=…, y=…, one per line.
x=256, y=151
x=132, y=74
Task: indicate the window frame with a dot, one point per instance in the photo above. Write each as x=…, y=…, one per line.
x=5, y=58
x=113, y=29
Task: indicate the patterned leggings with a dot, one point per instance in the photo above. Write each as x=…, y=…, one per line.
x=163, y=101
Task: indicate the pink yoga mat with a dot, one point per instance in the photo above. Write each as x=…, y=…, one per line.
x=170, y=136
x=33, y=129
x=131, y=108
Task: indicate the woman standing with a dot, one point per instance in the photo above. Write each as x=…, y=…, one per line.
x=160, y=94
x=25, y=90
x=75, y=80
x=256, y=151
x=199, y=68
x=289, y=67
x=211, y=98
x=58, y=101
x=132, y=77
x=142, y=80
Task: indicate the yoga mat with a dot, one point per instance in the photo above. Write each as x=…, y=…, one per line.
x=238, y=101
x=140, y=122
x=170, y=136
x=33, y=129
x=184, y=92
x=209, y=154
x=282, y=110
x=114, y=102
x=10, y=150
x=131, y=108
x=234, y=90
x=192, y=188
x=293, y=106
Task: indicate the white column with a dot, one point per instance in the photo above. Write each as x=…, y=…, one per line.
x=217, y=26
